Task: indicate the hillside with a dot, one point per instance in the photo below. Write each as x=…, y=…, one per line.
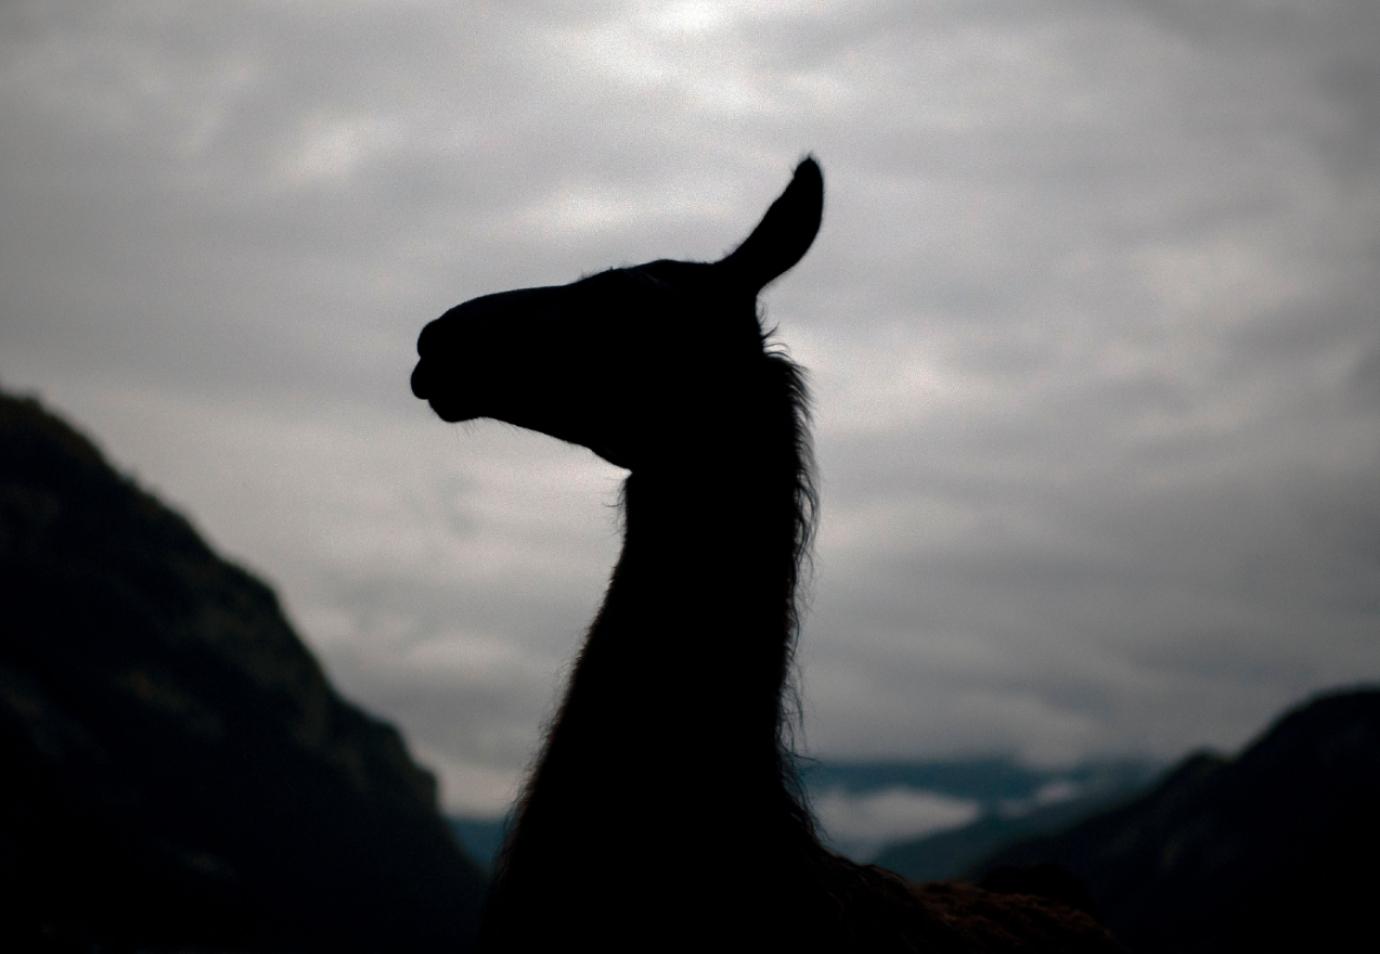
x=179, y=773
x=1272, y=850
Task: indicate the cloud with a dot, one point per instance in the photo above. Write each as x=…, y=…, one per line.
x=860, y=825
x=1090, y=322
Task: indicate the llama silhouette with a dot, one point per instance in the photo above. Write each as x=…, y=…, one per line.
x=663, y=812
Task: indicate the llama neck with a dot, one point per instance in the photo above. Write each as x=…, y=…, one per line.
x=697, y=624
x=689, y=654
x=668, y=744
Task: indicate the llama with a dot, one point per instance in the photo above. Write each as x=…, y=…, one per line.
x=663, y=811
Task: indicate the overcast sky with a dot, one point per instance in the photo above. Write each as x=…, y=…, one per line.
x=1091, y=321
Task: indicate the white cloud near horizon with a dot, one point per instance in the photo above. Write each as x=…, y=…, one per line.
x=861, y=824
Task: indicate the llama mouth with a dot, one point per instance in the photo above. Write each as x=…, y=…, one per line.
x=453, y=409
x=447, y=406
x=452, y=413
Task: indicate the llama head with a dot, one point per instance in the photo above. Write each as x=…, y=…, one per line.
x=631, y=362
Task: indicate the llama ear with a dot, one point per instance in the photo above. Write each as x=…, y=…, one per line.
x=784, y=235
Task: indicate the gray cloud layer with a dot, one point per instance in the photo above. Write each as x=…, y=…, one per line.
x=1092, y=326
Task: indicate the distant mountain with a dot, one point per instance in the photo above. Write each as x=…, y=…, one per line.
x=992, y=781
x=1008, y=798
x=178, y=774
x=954, y=852
x=1007, y=792
x=1275, y=849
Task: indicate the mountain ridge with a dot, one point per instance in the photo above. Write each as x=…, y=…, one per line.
x=183, y=774
x=1271, y=849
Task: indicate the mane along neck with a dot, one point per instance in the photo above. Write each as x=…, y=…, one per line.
x=669, y=750
x=708, y=575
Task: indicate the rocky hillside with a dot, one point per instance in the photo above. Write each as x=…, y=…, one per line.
x=178, y=773
x=1272, y=850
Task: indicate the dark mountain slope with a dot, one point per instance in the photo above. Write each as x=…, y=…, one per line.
x=178, y=772
x=1273, y=850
